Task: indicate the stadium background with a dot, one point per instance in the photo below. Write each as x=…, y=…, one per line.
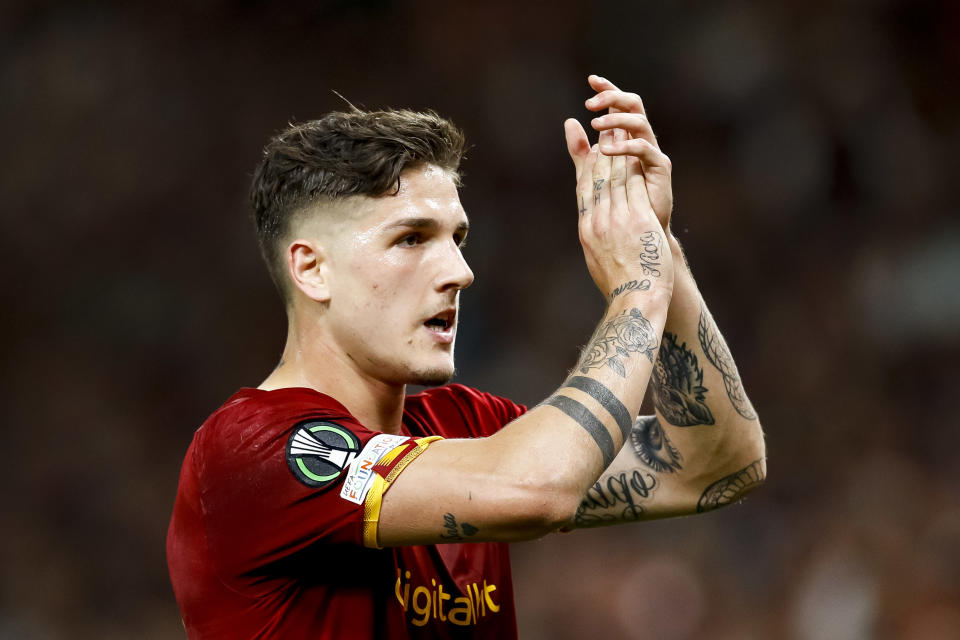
x=816, y=194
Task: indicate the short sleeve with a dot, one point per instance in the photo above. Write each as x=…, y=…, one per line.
x=275, y=481
x=459, y=411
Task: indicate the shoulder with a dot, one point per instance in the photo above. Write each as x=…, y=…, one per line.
x=456, y=405
x=253, y=421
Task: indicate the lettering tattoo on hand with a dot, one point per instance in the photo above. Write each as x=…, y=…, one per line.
x=650, y=256
x=615, y=498
x=651, y=445
x=451, y=531
x=719, y=356
x=678, y=385
x=583, y=206
x=732, y=487
x=633, y=285
x=616, y=339
x=597, y=188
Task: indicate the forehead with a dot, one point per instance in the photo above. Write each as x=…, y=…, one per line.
x=425, y=191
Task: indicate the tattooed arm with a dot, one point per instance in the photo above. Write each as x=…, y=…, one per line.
x=525, y=480
x=702, y=408
x=705, y=448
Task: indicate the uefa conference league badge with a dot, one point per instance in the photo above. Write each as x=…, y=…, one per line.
x=318, y=451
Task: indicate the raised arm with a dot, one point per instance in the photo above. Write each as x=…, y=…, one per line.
x=704, y=449
x=528, y=478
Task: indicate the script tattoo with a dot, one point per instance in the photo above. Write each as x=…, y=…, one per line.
x=451, y=531
x=732, y=487
x=650, y=256
x=651, y=445
x=597, y=188
x=678, y=385
x=617, y=497
x=719, y=356
x=633, y=285
x=616, y=339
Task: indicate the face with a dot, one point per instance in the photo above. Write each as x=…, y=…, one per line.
x=396, y=272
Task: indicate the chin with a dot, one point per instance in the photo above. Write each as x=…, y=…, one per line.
x=432, y=377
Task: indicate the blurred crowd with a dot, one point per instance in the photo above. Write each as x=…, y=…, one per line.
x=815, y=196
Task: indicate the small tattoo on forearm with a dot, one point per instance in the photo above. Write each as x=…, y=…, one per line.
x=616, y=497
x=616, y=339
x=651, y=445
x=633, y=285
x=650, y=256
x=453, y=531
x=678, y=390
x=597, y=188
x=732, y=487
x=585, y=418
x=718, y=354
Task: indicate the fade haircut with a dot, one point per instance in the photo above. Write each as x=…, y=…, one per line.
x=342, y=154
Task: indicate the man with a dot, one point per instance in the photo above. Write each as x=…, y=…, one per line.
x=326, y=503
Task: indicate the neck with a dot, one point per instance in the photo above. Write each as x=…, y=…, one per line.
x=309, y=360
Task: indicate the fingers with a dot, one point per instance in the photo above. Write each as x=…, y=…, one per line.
x=585, y=184
x=651, y=157
x=577, y=144
x=601, y=173
x=618, y=173
x=599, y=83
x=616, y=99
x=636, y=124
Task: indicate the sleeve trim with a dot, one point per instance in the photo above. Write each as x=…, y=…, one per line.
x=386, y=473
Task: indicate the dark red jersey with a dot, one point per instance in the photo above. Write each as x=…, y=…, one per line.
x=273, y=532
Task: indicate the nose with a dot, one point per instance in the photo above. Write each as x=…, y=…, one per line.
x=456, y=273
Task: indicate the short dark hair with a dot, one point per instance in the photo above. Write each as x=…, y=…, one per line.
x=340, y=155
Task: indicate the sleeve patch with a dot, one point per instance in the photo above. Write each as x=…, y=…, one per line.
x=360, y=477
x=318, y=451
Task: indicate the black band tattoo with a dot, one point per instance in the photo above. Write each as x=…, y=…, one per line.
x=732, y=487
x=618, y=492
x=633, y=285
x=597, y=187
x=651, y=445
x=616, y=339
x=650, y=256
x=719, y=356
x=678, y=385
x=582, y=416
x=451, y=531
x=599, y=392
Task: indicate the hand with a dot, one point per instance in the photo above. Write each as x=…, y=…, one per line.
x=624, y=194
x=627, y=114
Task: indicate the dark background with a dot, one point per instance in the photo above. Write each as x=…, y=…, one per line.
x=814, y=147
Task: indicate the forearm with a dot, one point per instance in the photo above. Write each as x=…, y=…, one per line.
x=696, y=388
x=577, y=431
x=525, y=480
x=704, y=449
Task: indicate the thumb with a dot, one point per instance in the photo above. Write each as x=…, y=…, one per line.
x=577, y=144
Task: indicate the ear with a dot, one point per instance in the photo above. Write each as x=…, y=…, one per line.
x=309, y=269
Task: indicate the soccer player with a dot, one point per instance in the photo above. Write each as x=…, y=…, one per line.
x=327, y=503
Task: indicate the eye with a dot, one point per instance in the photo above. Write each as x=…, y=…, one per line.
x=460, y=240
x=409, y=240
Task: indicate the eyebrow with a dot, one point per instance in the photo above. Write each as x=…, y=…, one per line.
x=425, y=224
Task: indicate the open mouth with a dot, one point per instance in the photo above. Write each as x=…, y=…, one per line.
x=442, y=322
